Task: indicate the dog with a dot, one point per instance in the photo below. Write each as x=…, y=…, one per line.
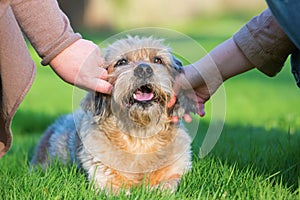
x=127, y=139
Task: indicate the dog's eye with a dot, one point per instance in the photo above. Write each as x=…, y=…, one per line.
x=158, y=60
x=121, y=62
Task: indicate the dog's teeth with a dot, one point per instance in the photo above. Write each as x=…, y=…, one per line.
x=134, y=96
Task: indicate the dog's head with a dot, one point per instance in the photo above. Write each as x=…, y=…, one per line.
x=143, y=72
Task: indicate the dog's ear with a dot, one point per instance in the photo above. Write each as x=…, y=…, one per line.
x=96, y=103
x=177, y=64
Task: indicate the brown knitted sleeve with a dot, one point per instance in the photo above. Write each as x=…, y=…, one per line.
x=264, y=43
x=46, y=26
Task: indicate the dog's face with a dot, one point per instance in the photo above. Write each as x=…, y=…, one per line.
x=142, y=71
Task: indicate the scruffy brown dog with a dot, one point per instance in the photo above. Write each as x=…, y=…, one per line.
x=127, y=139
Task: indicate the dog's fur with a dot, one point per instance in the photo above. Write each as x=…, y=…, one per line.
x=127, y=139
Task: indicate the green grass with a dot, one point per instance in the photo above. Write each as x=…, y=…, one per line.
x=256, y=157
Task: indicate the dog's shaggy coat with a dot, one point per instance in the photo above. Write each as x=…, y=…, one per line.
x=127, y=139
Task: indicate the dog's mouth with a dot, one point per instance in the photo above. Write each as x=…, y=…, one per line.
x=143, y=94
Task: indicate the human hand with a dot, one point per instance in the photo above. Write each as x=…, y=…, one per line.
x=81, y=64
x=207, y=74
x=199, y=95
x=199, y=89
x=187, y=118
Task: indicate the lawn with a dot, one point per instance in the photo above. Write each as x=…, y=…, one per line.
x=256, y=157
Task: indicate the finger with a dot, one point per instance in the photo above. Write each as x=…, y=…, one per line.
x=174, y=119
x=102, y=73
x=172, y=101
x=187, y=118
x=98, y=72
x=103, y=86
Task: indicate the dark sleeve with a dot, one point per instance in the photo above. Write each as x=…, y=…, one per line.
x=46, y=26
x=264, y=43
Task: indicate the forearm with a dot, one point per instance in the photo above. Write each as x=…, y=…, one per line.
x=45, y=25
x=224, y=61
x=230, y=60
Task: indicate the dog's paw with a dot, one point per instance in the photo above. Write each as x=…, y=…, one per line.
x=167, y=186
x=115, y=191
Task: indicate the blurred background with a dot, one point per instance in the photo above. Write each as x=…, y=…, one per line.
x=122, y=14
x=208, y=22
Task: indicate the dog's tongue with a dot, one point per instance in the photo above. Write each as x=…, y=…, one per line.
x=142, y=96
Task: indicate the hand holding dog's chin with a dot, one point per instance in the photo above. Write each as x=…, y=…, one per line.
x=81, y=65
x=175, y=119
x=199, y=95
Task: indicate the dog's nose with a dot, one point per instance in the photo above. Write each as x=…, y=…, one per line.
x=143, y=71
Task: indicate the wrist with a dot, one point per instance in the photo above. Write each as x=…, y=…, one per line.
x=74, y=53
x=204, y=72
